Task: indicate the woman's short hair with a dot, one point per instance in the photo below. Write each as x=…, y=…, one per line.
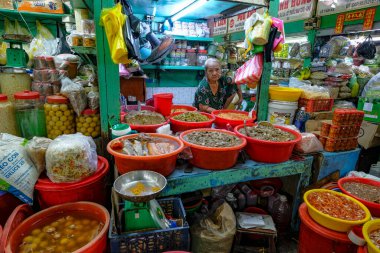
x=210, y=61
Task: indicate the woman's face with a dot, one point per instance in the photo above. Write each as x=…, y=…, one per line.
x=213, y=72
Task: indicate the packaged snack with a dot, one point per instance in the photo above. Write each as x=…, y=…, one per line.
x=48, y=6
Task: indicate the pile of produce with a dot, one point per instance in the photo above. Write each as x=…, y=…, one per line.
x=144, y=118
x=212, y=139
x=179, y=110
x=364, y=191
x=191, y=117
x=336, y=206
x=233, y=116
x=144, y=145
x=267, y=133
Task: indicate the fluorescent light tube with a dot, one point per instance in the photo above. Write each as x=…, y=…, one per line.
x=195, y=5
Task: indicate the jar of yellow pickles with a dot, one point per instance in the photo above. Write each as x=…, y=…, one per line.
x=88, y=123
x=59, y=116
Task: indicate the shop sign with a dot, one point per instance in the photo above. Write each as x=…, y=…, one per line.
x=292, y=10
x=356, y=15
x=339, y=24
x=236, y=23
x=368, y=18
x=327, y=7
x=254, y=2
x=220, y=27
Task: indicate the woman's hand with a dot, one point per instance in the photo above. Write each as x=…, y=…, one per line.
x=206, y=108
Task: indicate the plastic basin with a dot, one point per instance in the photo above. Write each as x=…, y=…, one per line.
x=373, y=207
x=89, y=209
x=222, y=123
x=211, y=158
x=92, y=188
x=163, y=164
x=332, y=223
x=180, y=126
x=367, y=229
x=147, y=128
x=269, y=151
x=188, y=108
x=284, y=94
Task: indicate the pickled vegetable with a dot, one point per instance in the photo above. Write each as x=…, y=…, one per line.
x=7, y=116
x=233, y=116
x=191, y=117
x=65, y=233
x=364, y=191
x=212, y=139
x=89, y=123
x=267, y=133
x=144, y=118
x=375, y=237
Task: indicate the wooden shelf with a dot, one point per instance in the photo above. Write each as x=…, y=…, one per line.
x=172, y=67
x=179, y=37
x=15, y=14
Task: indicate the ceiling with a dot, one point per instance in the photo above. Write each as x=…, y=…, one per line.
x=167, y=8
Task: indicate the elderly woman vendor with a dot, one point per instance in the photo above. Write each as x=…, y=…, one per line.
x=213, y=92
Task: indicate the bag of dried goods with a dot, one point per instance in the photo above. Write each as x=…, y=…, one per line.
x=305, y=50
x=48, y=6
x=36, y=149
x=18, y=174
x=71, y=158
x=76, y=94
x=308, y=144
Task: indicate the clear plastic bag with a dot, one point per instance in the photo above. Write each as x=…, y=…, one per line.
x=36, y=149
x=305, y=50
x=93, y=100
x=44, y=43
x=71, y=158
x=251, y=71
x=76, y=93
x=309, y=144
x=314, y=92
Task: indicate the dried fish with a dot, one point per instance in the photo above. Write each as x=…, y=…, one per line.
x=128, y=148
x=212, y=139
x=137, y=146
x=267, y=132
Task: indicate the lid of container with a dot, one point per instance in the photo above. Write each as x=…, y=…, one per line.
x=27, y=94
x=3, y=97
x=90, y=112
x=284, y=102
x=57, y=99
x=202, y=51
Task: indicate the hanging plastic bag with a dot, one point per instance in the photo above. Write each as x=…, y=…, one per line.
x=279, y=40
x=367, y=49
x=76, y=94
x=71, y=158
x=113, y=20
x=260, y=32
x=251, y=71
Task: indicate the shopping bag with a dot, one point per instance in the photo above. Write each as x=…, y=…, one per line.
x=251, y=71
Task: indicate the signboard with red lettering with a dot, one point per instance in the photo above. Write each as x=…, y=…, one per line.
x=292, y=10
x=328, y=7
x=236, y=23
x=220, y=27
x=356, y=15
x=339, y=24
x=368, y=18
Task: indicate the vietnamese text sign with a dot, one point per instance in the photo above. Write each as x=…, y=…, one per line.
x=220, y=27
x=356, y=15
x=339, y=24
x=291, y=10
x=327, y=7
x=368, y=18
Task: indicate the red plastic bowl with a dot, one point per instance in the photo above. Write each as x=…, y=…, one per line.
x=18, y=215
x=374, y=208
x=188, y=108
x=89, y=209
x=211, y=158
x=163, y=164
x=222, y=122
x=92, y=188
x=135, y=108
x=269, y=151
x=180, y=126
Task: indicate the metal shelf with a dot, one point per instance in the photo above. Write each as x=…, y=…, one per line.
x=179, y=37
x=15, y=14
x=84, y=50
x=172, y=67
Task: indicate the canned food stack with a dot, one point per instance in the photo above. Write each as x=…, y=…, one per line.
x=341, y=133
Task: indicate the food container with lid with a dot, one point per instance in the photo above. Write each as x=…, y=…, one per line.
x=59, y=116
x=89, y=40
x=7, y=116
x=191, y=55
x=88, y=123
x=201, y=57
x=14, y=80
x=30, y=115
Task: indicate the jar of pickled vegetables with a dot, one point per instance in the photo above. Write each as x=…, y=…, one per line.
x=7, y=116
x=88, y=123
x=59, y=116
x=30, y=115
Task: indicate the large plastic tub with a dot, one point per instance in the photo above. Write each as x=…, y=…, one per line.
x=373, y=207
x=313, y=238
x=180, y=126
x=142, y=128
x=269, y=151
x=223, y=123
x=211, y=158
x=89, y=209
x=367, y=229
x=92, y=188
x=163, y=164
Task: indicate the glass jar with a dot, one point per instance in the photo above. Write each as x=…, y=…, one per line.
x=30, y=115
x=7, y=116
x=88, y=123
x=76, y=39
x=89, y=40
x=191, y=56
x=201, y=57
x=59, y=116
x=14, y=80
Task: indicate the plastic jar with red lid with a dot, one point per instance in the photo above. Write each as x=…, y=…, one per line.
x=7, y=116
x=30, y=115
x=88, y=123
x=59, y=116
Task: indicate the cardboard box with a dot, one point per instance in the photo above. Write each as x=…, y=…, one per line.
x=369, y=135
x=371, y=110
x=321, y=115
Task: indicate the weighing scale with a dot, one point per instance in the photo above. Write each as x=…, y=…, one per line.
x=141, y=212
x=16, y=55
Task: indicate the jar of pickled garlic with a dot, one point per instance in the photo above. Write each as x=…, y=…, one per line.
x=7, y=116
x=59, y=116
x=88, y=123
x=89, y=40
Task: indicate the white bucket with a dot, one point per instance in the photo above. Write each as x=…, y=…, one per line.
x=281, y=112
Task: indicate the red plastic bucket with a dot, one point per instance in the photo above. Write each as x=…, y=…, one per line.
x=163, y=103
x=91, y=189
x=313, y=238
x=92, y=210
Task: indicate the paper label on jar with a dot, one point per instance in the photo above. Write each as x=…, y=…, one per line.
x=368, y=107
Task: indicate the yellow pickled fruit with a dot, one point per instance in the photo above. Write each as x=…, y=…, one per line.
x=62, y=128
x=57, y=132
x=55, y=107
x=71, y=117
x=86, y=125
x=51, y=123
x=63, y=118
x=59, y=113
x=56, y=127
x=63, y=107
x=90, y=130
x=55, y=119
x=48, y=127
x=88, y=120
x=82, y=119
x=48, y=118
x=59, y=123
x=94, y=134
x=79, y=125
x=51, y=113
x=47, y=107
x=96, y=119
x=97, y=128
x=93, y=124
x=67, y=131
x=67, y=113
x=83, y=130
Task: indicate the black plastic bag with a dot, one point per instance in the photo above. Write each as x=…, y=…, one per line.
x=367, y=49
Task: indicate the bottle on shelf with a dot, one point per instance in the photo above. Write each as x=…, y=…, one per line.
x=301, y=118
x=281, y=214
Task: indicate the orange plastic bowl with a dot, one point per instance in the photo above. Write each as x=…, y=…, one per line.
x=183, y=108
x=89, y=209
x=147, y=128
x=222, y=122
x=269, y=151
x=211, y=158
x=180, y=126
x=163, y=164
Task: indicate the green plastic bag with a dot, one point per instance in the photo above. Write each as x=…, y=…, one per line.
x=354, y=86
